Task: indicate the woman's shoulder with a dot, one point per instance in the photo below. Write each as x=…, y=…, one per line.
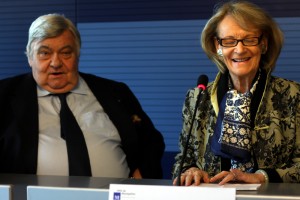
x=275, y=80
x=281, y=85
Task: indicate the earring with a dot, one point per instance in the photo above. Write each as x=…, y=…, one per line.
x=220, y=52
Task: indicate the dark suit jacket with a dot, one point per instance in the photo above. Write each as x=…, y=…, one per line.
x=141, y=142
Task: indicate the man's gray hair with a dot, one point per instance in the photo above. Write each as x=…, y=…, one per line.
x=48, y=26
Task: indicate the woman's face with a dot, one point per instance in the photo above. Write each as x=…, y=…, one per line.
x=241, y=61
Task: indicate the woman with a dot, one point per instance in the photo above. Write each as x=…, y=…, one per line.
x=247, y=125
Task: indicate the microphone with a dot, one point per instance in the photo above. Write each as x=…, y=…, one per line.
x=201, y=85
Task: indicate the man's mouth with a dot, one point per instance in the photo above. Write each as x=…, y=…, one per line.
x=56, y=73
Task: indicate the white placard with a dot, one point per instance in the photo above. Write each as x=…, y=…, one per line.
x=237, y=186
x=65, y=193
x=5, y=192
x=150, y=192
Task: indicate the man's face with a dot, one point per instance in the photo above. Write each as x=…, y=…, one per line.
x=54, y=63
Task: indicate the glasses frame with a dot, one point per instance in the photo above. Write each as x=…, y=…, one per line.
x=242, y=40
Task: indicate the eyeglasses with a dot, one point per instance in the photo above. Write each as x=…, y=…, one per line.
x=228, y=42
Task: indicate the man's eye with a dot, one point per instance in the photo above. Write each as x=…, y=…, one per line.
x=66, y=54
x=44, y=54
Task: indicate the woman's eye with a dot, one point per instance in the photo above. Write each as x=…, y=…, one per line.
x=228, y=41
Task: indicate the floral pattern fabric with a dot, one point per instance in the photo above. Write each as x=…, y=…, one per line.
x=235, y=138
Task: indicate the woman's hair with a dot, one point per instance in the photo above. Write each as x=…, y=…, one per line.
x=48, y=26
x=247, y=15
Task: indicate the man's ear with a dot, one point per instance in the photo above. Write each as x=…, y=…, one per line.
x=29, y=62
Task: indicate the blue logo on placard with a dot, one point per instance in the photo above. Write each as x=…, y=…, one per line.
x=117, y=196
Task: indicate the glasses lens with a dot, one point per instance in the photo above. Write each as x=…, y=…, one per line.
x=228, y=42
x=250, y=41
x=233, y=42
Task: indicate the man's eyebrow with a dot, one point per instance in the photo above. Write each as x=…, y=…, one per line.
x=62, y=48
x=43, y=47
x=66, y=47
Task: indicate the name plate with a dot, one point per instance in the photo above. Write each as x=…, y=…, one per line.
x=65, y=193
x=150, y=192
x=5, y=192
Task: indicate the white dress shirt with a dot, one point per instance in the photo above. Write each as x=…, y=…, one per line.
x=103, y=141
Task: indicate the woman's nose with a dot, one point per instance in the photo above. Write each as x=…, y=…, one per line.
x=239, y=48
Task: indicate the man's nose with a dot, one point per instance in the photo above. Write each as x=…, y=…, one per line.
x=56, y=61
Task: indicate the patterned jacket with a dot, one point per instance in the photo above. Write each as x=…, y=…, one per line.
x=275, y=136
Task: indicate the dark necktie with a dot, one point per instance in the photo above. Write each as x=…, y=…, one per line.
x=79, y=162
